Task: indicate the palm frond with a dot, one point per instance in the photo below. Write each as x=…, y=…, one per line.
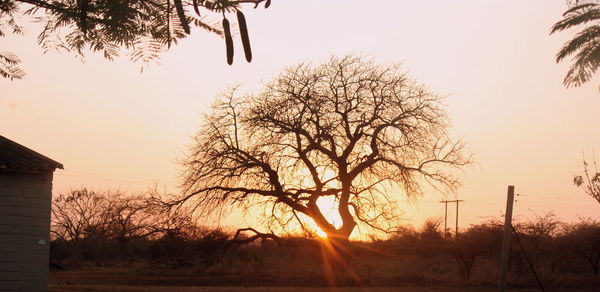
x=590, y=34
x=586, y=64
x=210, y=27
x=579, y=7
x=9, y=66
x=578, y=18
x=145, y=50
x=9, y=58
x=8, y=11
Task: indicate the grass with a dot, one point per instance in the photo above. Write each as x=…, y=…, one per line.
x=100, y=288
x=124, y=279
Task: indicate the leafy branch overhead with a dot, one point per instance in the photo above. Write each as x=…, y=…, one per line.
x=144, y=28
x=585, y=46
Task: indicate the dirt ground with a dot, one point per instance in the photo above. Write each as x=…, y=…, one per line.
x=126, y=279
x=100, y=288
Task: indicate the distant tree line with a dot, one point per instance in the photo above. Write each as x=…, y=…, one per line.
x=116, y=229
x=104, y=228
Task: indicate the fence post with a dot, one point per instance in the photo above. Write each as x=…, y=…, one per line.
x=506, y=241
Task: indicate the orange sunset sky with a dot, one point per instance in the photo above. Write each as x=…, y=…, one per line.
x=116, y=128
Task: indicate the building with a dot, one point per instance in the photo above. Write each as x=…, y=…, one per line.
x=25, y=206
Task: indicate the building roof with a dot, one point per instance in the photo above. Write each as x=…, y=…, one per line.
x=16, y=157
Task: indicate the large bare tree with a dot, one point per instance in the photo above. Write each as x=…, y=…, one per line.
x=348, y=129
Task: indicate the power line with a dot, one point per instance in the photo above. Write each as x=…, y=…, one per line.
x=446, y=216
x=539, y=196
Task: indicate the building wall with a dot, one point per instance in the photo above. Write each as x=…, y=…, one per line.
x=25, y=204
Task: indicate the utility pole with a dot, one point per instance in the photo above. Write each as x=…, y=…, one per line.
x=445, y=219
x=446, y=216
x=456, y=226
x=506, y=241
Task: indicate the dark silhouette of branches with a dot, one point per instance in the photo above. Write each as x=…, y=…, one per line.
x=87, y=218
x=582, y=239
x=474, y=243
x=348, y=129
x=9, y=66
x=590, y=181
x=80, y=214
x=144, y=28
x=585, y=46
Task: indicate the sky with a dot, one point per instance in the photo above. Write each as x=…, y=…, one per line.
x=115, y=128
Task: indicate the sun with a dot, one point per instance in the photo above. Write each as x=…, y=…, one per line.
x=329, y=208
x=321, y=233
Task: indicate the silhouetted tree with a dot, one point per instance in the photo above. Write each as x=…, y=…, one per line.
x=79, y=215
x=583, y=240
x=88, y=220
x=585, y=46
x=143, y=27
x=472, y=244
x=535, y=246
x=590, y=181
x=348, y=129
x=430, y=231
x=80, y=223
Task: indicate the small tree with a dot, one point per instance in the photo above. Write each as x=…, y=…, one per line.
x=582, y=239
x=349, y=129
x=470, y=245
x=538, y=235
x=590, y=181
x=89, y=221
x=79, y=215
x=80, y=225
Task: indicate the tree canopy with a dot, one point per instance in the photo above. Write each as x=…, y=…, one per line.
x=144, y=28
x=349, y=129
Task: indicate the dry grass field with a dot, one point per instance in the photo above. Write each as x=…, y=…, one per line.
x=122, y=279
x=414, y=261
x=101, y=288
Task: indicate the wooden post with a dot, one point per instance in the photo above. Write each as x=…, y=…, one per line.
x=446, y=221
x=456, y=226
x=506, y=241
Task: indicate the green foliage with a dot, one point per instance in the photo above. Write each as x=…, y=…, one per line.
x=585, y=46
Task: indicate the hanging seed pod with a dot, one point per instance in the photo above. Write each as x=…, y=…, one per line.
x=181, y=14
x=228, y=41
x=244, y=34
x=169, y=39
x=83, y=11
x=267, y=4
x=196, y=8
